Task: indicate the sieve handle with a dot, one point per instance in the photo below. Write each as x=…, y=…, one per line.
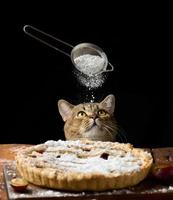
x=111, y=69
x=38, y=34
x=107, y=70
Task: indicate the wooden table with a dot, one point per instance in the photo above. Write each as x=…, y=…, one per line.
x=8, y=152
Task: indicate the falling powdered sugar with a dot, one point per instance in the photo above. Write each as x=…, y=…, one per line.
x=92, y=82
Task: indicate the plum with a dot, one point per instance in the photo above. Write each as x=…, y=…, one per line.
x=163, y=172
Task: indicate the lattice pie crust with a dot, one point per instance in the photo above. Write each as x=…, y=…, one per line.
x=83, y=165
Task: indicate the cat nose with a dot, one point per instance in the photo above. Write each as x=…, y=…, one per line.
x=94, y=117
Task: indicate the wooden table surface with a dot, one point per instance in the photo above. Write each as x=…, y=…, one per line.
x=8, y=152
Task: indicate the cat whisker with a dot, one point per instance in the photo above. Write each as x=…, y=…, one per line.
x=109, y=127
x=108, y=131
x=120, y=138
x=121, y=134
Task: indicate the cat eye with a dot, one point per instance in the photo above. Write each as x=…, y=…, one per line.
x=102, y=112
x=81, y=114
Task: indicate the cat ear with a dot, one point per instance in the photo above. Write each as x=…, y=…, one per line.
x=108, y=103
x=65, y=109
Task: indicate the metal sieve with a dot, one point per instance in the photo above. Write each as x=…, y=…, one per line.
x=75, y=51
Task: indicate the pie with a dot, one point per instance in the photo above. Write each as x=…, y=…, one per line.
x=83, y=165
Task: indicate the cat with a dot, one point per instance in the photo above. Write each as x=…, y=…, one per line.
x=93, y=121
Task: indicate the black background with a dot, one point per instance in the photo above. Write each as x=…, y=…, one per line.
x=35, y=77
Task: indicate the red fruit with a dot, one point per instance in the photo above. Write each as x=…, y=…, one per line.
x=163, y=173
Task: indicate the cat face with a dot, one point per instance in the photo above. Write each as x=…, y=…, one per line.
x=92, y=121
